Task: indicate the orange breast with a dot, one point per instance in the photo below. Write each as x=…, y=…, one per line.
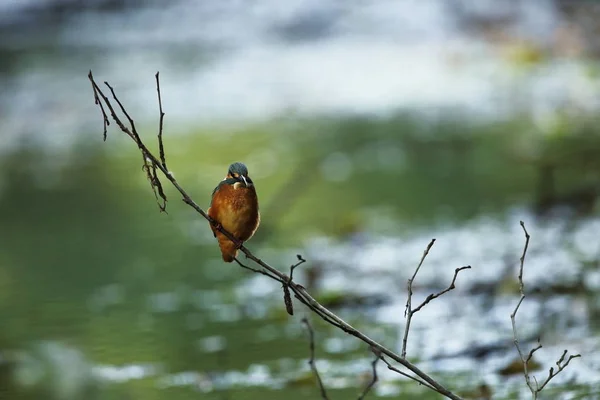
x=236, y=209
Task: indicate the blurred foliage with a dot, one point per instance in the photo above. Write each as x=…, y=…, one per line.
x=328, y=174
x=87, y=260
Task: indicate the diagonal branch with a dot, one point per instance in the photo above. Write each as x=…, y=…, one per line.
x=299, y=291
x=133, y=132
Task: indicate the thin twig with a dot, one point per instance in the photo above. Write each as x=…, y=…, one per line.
x=374, y=377
x=105, y=120
x=533, y=350
x=293, y=267
x=299, y=291
x=156, y=185
x=311, y=361
x=531, y=381
x=410, y=281
x=524, y=360
x=287, y=298
x=161, y=147
x=436, y=295
x=409, y=311
x=396, y=370
x=133, y=133
x=552, y=373
x=259, y=271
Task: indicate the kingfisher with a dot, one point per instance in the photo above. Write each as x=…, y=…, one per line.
x=234, y=207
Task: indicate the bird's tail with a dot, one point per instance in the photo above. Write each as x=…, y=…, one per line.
x=228, y=248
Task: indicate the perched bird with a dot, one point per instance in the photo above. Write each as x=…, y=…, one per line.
x=234, y=207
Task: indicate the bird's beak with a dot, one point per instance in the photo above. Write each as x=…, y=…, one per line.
x=244, y=179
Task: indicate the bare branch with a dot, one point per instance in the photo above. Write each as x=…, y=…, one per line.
x=311, y=361
x=396, y=370
x=561, y=366
x=410, y=281
x=299, y=291
x=259, y=271
x=409, y=311
x=531, y=381
x=374, y=377
x=293, y=267
x=533, y=350
x=133, y=133
x=158, y=190
x=436, y=295
x=287, y=298
x=161, y=147
x=105, y=120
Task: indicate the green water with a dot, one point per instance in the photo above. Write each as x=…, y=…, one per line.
x=88, y=263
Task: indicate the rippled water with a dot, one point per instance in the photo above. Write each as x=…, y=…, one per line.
x=466, y=333
x=472, y=329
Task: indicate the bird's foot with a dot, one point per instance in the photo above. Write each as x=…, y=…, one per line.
x=217, y=225
x=238, y=243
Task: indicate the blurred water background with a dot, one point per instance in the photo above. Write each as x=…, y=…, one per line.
x=369, y=127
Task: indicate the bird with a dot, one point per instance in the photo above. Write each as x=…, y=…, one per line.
x=234, y=207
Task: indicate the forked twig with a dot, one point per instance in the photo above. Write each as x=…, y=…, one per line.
x=438, y=294
x=301, y=261
x=531, y=381
x=409, y=311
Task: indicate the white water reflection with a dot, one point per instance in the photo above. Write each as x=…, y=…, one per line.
x=469, y=329
x=233, y=61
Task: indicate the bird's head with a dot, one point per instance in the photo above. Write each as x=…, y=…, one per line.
x=239, y=172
